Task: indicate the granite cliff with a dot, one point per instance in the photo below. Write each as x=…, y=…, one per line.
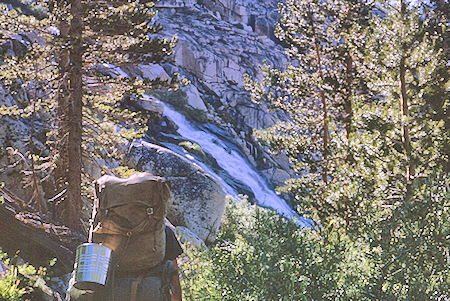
x=219, y=42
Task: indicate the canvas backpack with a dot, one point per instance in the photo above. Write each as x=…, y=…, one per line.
x=129, y=215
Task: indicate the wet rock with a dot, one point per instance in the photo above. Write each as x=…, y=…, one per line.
x=150, y=104
x=276, y=176
x=146, y=103
x=214, y=54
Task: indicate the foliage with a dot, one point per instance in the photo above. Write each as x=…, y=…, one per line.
x=9, y=289
x=116, y=37
x=317, y=89
x=195, y=149
x=368, y=132
x=261, y=256
x=19, y=280
x=412, y=259
x=124, y=171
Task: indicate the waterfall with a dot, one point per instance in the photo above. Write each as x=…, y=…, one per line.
x=235, y=163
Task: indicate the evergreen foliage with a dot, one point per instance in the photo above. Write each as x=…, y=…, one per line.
x=318, y=90
x=386, y=180
x=366, y=94
x=18, y=282
x=261, y=256
x=116, y=36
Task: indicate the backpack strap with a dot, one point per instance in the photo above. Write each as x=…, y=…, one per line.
x=134, y=287
x=166, y=278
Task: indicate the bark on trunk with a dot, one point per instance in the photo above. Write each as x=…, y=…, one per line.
x=62, y=111
x=324, y=116
x=323, y=101
x=348, y=101
x=73, y=200
x=406, y=139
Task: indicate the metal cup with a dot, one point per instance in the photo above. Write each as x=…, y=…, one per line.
x=91, y=266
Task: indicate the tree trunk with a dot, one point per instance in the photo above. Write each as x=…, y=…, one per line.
x=73, y=201
x=38, y=240
x=406, y=139
x=62, y=113
x=347, y=100
x=324, y=103
x=70, y=119
x=324, y=116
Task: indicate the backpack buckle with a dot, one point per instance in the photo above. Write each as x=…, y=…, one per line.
x=150, y=211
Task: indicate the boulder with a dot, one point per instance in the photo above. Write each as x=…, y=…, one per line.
x=282, y=161
x=146, y=103
x=256, y=116
x=3, y=269
x=197, y=202
x=150, y=104
x=185, y=57
x=14, y=133
x=92, y=168
x=174, y=3
x=186, y=236
x=16, y=46
x=262, y=26
x=153, y=71
x=233, y=76
x=193, y=98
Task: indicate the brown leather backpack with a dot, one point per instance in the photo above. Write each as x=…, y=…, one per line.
x=128, y=216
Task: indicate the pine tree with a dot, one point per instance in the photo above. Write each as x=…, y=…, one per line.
x=317, y=90
x=90, y=44
x=407, y=220
x=387, y=185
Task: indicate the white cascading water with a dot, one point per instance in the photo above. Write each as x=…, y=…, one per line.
x=236, y=165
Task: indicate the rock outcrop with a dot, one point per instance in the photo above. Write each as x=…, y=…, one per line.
x=218, y=42
x=197, y=202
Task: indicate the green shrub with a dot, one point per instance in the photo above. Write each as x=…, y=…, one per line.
x=195, y=149
x=19, y=281
x=261, y=256
x=10, y=289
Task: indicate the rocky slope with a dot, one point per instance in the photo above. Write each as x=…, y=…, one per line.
x=218, y=42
